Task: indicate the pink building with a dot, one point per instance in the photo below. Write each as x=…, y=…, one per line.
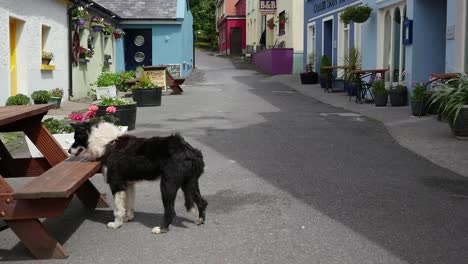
x=230, y=22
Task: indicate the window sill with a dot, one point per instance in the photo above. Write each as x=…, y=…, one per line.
x=45, y=67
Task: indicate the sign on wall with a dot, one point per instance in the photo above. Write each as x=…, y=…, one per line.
x=174, y=70
x=323, y=5
x=267, y=7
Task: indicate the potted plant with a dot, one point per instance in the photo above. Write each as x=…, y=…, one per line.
x=126, y=81
x=97, y=23
x=107, y=29
x=85, y=54
x=326, y=75
x=353, y=61
x=106, y=84
x=60, y=130
x=40, y=97
x=356, y=14
x=452, y=97
x=125, y=111
x=418, y=100
x=308, y=76
x=79, y=16
x=398, y=95
x=118, y=33
x=47, y=57
x=432, y=109
x=146, y=93
x=19, y=99
x=56, y=97
x=380, y=93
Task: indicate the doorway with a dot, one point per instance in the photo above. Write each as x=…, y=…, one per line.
x=13, y=65
x=138, y=48
x=328, y=39
x=236, y=40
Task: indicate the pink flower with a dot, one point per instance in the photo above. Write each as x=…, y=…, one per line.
x=111, y=109
x=90, y=114
x=93, y=108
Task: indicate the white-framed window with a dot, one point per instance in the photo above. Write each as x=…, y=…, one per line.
x=311, y=42
x=392, y=51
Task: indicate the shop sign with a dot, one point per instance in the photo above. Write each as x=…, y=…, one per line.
x=267, y=7
x=323, y=5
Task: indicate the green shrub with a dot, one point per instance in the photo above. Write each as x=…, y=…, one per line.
x=144, y=82
x=56, y=126
x=41, y=96
x=419, y=93
x=19, y=99
x=57, y=92
x=378, y=87
x=123, y=77
x=107, y=79
x=107, y=101
x=325, y=61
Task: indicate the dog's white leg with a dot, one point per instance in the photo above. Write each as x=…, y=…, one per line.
x=130, y=202
x=119, y=210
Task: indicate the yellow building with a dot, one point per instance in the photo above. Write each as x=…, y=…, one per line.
x=283, y=29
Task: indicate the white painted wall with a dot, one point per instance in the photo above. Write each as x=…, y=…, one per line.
x=294, y=37
x=34, y=14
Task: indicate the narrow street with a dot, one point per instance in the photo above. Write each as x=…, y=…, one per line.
x=288, y=179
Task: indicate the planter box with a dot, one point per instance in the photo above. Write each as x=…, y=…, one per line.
x=418, y=108
x=309, y=78
x=398, y=99
x=125, y=113
x=56, y=101
x=108, y=91
x=147, y=97
x=65, y=140
x=274, y=61
x=380, y=99
x=460, y=127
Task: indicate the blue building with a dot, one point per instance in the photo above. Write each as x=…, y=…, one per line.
x=324, y=33
x=438, y=38
x=156, y=32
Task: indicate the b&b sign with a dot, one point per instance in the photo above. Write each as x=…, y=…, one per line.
x=267, y=7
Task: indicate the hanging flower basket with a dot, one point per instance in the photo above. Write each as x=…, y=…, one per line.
x=271, y=24
x=97, y=23
x=118, y=33
x=356, y=14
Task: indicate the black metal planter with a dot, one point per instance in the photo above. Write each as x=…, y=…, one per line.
x=309, y=78
x=380, y=99
x=147, y=97
x=125, y=113
x=398, y=99
x=418, y=108
x=460, y=127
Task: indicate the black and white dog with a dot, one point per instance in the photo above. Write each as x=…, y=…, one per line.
x=127, y=159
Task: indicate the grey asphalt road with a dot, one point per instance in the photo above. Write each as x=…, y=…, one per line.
x=288, y=180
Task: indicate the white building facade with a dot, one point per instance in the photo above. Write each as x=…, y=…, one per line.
x=27, y=28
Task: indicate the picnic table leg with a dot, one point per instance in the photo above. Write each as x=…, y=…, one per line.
x=90, y=196
x=36, y=238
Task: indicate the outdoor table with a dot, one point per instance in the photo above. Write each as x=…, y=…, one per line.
x=361, y=74
x=56, y=177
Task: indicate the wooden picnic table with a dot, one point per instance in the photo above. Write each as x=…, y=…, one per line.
x=56, y=178
x=364, y=87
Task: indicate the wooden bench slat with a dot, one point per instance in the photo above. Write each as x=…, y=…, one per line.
x=60, y=181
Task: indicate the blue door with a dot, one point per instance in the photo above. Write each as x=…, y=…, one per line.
x=328, y=39
x=138, y=48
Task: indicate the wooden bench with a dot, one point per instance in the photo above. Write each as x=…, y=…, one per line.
x=61, y=181
x=57, y=178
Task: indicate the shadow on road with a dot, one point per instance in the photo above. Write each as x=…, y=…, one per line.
x=355, y=173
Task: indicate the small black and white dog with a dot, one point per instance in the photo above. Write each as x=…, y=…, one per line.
x=127, y=159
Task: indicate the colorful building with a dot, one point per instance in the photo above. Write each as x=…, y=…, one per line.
x=269, y=33
x=230, y=25
x=27, y=28
x=324, y=33
x=156, y=32
x=437, y=42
